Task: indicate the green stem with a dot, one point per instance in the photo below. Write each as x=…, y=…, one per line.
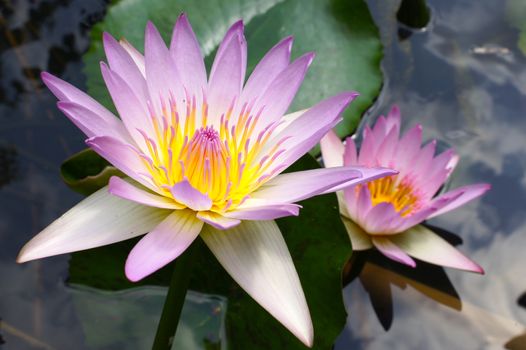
x=174, y=301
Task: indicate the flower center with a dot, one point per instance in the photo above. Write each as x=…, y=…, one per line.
x=225, y=158
x=206, y=162
x=401, y=195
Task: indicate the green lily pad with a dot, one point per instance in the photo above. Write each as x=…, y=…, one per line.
x=341, y=32
x=516, y=15
x=85, y=172
x=319, y=247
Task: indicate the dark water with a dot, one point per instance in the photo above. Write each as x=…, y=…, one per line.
x=464, y=79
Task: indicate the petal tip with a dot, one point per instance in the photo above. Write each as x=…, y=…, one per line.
x=106, y=37
x=308, y=339
x=480, y=270
x=22, y=258
x=309, y=57
x=27, y=253
x=132, y=273
x=288, y=41
x=238, y=26
x=46, y=77
x=182, y=21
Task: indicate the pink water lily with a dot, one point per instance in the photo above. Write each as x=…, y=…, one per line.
x=385, y=213
x=203, y=157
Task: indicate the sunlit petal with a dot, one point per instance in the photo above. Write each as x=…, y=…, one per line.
x=163, y=244
x=256, y=256
x=424, y=244
x=98, y=220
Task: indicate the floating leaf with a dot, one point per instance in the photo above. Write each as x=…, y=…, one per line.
x=516, y=15
x=85, y=172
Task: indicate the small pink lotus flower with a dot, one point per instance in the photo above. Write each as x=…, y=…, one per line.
x=204, y=156
x=385, y=213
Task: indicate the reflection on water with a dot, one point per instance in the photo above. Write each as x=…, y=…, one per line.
x=128, y=319
x=36, y=310
x=8, y=166
x=377, y=275
x=463, y=78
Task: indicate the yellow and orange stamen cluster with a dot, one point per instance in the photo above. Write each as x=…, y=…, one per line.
x=401, y=194
x=226, y=161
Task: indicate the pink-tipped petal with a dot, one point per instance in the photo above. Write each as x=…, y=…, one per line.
x=462, y=195
x=256, y=256
x=306, y=131
x=350, y=156
x=368, y=174
x=363, y=204
x=368, y=148
x=421, y=164
x=66, y=92
x=423, y=244
x=293, y=187
x=442, y=161
x=186, y=53
x=163, y=244
x=408, y=147
x=132, y=110
x=163, y=79
x=387, y=148
x=379, y=217
x=258, y=209
x=235, y=29
x=287, y=119
x=392, y=251
x=393, y=120
x=332, y=150
x=379, y=128
x=93, y=124
x=275, y=61
x=278, y=96
x=216, y=220
x=228, y=71
x=98, y=220
x=186, y=194
x=123, y=156
x=136, y=56
x=124, y=189
x=123, y=64
x=360, y=240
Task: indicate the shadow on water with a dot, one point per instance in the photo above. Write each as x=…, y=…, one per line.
x=378, y=274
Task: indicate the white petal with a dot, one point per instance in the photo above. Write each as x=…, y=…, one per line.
x=98, y=220
x=360, y=240
x=422, y=243
x=332, y=150
x=130, y=190
x=256, y=256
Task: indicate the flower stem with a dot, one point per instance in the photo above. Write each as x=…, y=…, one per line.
x=174, y=301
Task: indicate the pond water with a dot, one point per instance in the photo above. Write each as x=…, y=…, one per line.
x=464, y=79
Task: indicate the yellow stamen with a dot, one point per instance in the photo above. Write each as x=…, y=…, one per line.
x=401, y=195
